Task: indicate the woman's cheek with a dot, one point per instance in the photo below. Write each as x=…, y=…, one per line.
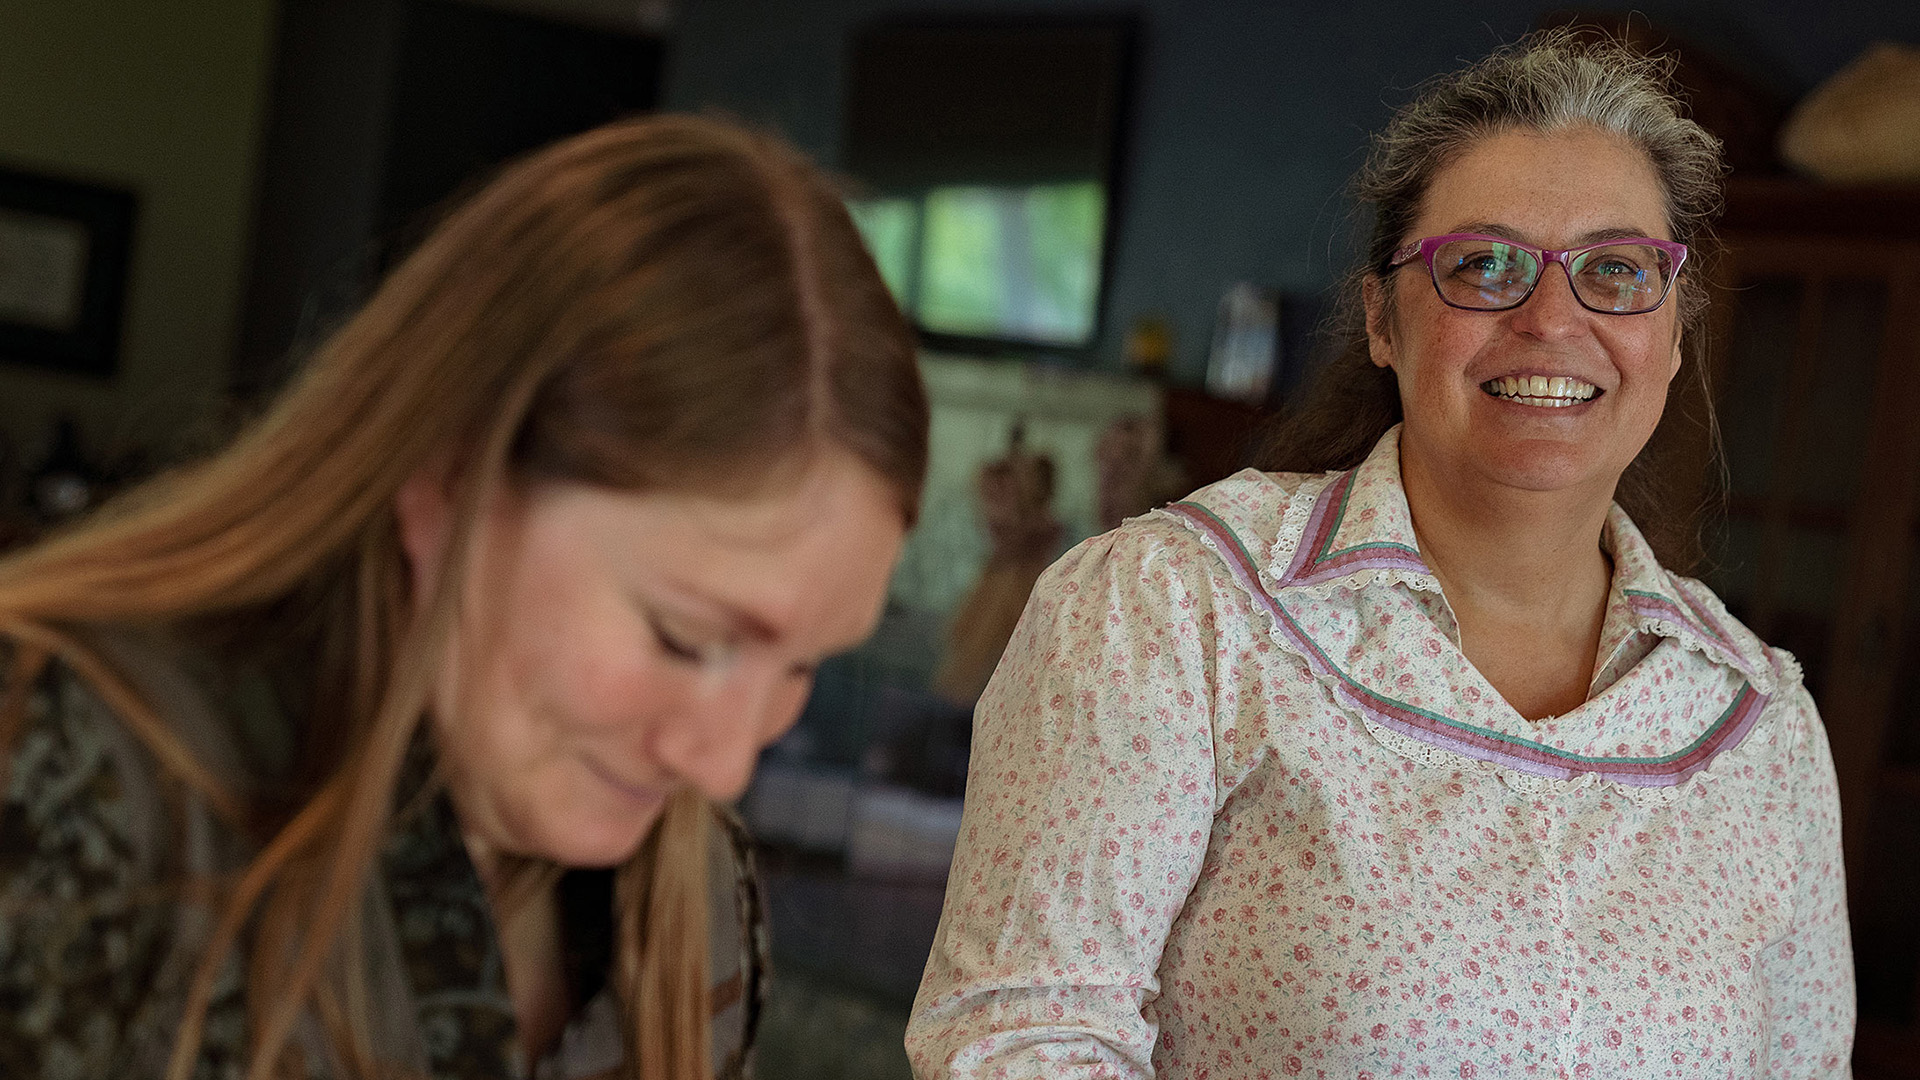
x=609, y=691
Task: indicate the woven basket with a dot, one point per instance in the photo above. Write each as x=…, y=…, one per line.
x=1863, y=124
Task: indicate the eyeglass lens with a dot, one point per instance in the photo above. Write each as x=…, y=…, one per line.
x=1483, y=275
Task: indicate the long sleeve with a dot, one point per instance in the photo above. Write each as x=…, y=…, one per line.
x=1809, y=973
x=1088, y=811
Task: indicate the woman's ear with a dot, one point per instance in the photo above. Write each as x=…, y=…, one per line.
x=424, y=509
x=1379, y=322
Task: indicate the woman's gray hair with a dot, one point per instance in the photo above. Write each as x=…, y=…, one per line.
x=1547, y=83
x=1550, y=81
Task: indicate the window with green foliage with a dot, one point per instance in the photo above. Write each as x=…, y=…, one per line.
x=1015, y=263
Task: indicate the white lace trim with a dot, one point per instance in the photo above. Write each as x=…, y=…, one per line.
x=1689, y=638
x=1293, y=527
x=1757, y=746
x=1787, y=666
x=1747, y=652
x=1358, y=580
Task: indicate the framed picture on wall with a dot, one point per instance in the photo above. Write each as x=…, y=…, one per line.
x=64, y=248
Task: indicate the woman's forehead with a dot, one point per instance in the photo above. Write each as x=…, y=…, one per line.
x=1548, y=188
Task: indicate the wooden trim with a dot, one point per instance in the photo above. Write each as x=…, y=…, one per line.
x=1901, y=780
x=1753, y=255
x=1771, y=562
x=1870, y=613
x=1809, y=207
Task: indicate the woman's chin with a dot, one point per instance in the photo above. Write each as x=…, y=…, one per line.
x=587, y=841
x=1549, y=475
x=1546, y=465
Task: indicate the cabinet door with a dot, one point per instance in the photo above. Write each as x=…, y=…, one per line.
x=1817, y=381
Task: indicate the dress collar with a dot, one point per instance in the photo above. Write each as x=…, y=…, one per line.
x=1353, y=529
x=1668, y=605
x=1348, y=526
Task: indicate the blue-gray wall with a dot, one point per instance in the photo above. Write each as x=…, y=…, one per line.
x=1248, y=114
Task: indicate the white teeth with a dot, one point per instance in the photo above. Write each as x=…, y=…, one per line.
x=1553, y=392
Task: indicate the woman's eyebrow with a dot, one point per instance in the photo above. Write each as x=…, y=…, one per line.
x=683, y=601
x=1615, y=233
x=748, y=623
x=1591, y=236
x=686, y=600
x=1493, y=228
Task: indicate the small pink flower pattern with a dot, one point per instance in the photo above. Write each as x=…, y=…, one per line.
x=1198, y=846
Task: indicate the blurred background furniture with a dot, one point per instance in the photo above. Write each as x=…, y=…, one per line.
x=1817, y=380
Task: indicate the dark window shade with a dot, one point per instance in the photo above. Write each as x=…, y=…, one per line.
x=476, y=87
x=1024, y=104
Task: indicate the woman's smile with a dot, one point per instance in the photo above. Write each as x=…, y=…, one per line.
x=1542, y=391
x=650, y=796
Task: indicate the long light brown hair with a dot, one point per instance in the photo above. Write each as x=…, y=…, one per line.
x=659, y=303
x=1550, y=81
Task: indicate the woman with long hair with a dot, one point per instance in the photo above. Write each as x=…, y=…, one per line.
x=388, y=741
x=1412, y=756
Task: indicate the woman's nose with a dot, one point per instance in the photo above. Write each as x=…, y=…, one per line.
x=1552, y=312
x=713, y=743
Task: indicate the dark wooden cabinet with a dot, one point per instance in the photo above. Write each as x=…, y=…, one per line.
x=1816, y=378
x=1213, y=438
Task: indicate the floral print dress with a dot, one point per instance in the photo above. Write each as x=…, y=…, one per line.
x=1240, y=808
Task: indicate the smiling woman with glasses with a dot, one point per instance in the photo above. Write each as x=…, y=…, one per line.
x=1415, y=756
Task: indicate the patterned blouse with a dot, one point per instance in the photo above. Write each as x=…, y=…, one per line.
x=1241, y=808
x=96, y=948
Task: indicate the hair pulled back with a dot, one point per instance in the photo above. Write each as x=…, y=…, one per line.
x=1550, y=81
